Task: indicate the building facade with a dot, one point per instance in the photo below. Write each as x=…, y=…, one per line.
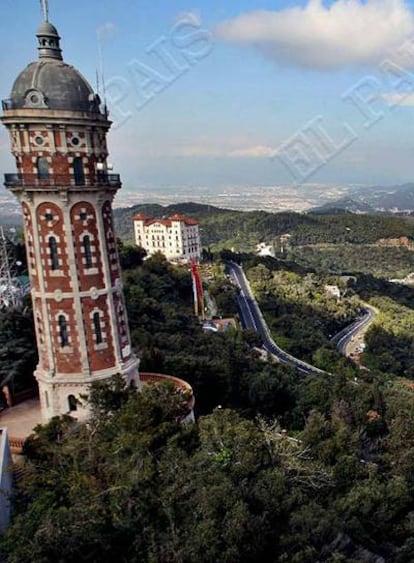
x=58, y=131
x=177, y=237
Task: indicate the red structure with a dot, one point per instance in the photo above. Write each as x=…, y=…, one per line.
x=58, y=130
x=197, y=290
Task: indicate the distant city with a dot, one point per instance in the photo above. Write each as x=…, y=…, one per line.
x=243, y=198
x=357, y=198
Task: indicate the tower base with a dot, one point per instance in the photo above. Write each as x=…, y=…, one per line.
x=68, y=394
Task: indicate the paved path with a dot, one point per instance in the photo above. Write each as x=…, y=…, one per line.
x=352, y=336
x=21, y=419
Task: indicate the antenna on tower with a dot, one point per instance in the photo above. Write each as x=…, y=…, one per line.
x=11, y=290
x=97, y=82
x=101, y=66
x=45, y=8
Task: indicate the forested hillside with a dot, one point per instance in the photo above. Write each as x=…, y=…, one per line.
x=137, y=486
x=381, y=261
x=223, y=228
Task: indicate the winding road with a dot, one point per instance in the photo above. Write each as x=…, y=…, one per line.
x=349, y=334
x=252, y=317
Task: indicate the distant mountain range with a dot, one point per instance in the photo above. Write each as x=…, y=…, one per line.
x=374, y=199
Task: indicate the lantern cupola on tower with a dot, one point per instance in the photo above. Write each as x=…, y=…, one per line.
x=49, y=42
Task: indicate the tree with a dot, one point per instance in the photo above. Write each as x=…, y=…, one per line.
x=130, y=256
x=18, y=350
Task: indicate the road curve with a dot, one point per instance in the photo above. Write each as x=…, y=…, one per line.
x=252, y=317
x=348, y=334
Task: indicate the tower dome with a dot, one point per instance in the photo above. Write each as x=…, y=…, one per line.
x=49, y=82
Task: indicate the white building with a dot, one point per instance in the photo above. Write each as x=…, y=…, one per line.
x=264, y=249
x=177, y=237
x=333, y=290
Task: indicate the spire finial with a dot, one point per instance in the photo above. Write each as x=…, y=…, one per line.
x=45, y=8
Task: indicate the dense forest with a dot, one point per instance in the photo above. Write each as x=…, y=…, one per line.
x=136, y=485
x=337, y=244
x=381, y=261
x=223, y=228
x=390, y=340
x=280, y=466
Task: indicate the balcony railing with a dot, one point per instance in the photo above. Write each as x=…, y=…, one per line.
x=61, y=180
x=92, y=106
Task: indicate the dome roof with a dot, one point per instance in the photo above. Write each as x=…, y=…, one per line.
x=50, y=83
x=46, y=28
x=53, y=84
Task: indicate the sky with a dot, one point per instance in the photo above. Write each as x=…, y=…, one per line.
x=232, y=94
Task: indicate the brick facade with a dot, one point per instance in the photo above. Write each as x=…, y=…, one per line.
x=78, y=305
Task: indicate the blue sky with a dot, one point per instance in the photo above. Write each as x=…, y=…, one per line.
x=249, y=93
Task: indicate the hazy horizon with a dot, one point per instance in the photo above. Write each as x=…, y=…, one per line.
x=246, y=93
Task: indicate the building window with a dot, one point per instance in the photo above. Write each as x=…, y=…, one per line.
x=53, y=249
x=39, y=140
x=86, y=243
x=46, y=399
x=63, y=331
x=78, y=171
x=97, y=328
x=72, y=403
x=42, y=168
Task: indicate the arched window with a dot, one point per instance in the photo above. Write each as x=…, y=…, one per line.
x=97, y=328
x=42, y=168
x=86, y=243
x=78, y=171
x=72, y=403
x=63, y=331
x=53, y=250
x=46, y=399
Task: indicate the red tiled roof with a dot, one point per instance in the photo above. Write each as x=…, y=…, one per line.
x=183, y=219
x=165, y=222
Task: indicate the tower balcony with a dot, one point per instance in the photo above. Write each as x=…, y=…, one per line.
x=180, y=385
x=59, y=181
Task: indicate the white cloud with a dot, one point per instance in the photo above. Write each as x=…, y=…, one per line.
x=232, y=147
x=345, y=33
x=258, y=151
x=399, y=99
x=227, y=149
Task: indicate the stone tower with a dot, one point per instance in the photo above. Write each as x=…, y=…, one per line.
x=58, y=131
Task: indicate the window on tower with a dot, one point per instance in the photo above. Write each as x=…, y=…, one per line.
x=86, y=243
x=78, y=171
x=42, y=168
x=63, y=331
x=97, y=328
x=53, y=250
x=72, y=403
